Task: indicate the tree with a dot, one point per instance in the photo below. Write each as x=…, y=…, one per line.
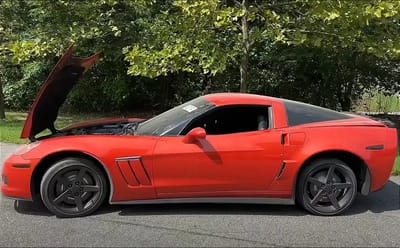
x=46, y=28
x=366, y=26
x=207, y=36
x=175, y=49
x=12, y=20
x=197, y=37
x=359, y=39
x=332, y=78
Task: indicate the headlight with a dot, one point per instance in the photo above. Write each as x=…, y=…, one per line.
x=26, y=148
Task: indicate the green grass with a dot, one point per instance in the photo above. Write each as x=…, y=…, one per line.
x=396, y=169
x=10, y=129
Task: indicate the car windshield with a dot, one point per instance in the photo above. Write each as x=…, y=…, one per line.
x=174, y=120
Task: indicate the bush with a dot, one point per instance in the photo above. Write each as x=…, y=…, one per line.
x=22, y=86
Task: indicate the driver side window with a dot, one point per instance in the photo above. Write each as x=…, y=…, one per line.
x=232, y=119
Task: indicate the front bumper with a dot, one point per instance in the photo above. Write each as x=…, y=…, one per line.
x=16, y=178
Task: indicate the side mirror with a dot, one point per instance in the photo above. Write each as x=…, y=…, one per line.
x=195, y=134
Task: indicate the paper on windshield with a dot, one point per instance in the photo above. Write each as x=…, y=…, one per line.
x=189, y=108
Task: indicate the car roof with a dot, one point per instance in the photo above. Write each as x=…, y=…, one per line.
x=221, y=99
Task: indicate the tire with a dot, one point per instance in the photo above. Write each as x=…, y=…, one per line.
x=326, y=187
x=73, y=187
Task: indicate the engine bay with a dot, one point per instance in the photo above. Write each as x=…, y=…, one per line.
x=123, y=128
x=113, y=128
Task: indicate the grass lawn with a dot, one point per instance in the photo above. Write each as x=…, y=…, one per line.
x=10, y=129
x=396, y=169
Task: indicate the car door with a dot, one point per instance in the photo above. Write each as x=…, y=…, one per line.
x=232, y=160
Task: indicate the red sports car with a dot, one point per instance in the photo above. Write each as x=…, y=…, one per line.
x=226, y=147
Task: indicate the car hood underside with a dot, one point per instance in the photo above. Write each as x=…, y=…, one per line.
x=62, y=79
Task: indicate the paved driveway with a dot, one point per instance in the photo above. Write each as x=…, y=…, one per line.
x=372, y=221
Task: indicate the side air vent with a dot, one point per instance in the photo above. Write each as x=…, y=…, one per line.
x=133, y=171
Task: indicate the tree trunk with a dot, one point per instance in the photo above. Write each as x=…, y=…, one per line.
x=2, y=107
x=346, y=104
x=244, y=64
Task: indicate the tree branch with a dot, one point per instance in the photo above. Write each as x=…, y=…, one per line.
x=237, y=2
x=284, y=3
x=313, y=32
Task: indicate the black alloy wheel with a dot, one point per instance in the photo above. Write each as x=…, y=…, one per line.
x=327, y=187
x=73, y=187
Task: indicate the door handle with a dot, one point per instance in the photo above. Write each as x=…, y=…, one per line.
x=283, y=136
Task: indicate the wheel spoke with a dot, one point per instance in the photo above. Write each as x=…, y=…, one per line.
x=80, y=174
x=61, y=197
x=330, y=174
x=334, y=201
x=79, y=203
x=90, y=188
x=315, y=181
x=342, y=185
x=317, y=197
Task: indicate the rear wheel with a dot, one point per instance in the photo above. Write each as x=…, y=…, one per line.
x=327, y=187
x=73, y=187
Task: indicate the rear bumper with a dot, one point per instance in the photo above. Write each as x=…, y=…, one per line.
x=16, y=178
x=381, y=162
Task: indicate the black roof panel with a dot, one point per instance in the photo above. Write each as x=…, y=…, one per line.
x=301, y=113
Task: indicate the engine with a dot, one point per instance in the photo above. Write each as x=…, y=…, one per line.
x=114, y=128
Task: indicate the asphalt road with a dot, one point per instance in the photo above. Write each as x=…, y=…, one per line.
x=372, y=221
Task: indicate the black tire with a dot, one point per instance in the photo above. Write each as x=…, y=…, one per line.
x=73, y=187
x=326, y=187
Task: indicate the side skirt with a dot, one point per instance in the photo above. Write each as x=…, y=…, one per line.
x=239, y=200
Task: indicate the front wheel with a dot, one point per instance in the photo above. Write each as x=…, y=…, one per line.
x=327, y=187
x=73, y=187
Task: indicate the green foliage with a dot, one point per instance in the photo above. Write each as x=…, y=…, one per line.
x=20, y=94
x=191, y=36
x=378, y=102
x=155, y=54
x=331, y=78
x=366, y=26
x=205, y=37
x=98, y=25
x=46, y=28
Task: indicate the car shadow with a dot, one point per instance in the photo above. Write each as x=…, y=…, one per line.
x=211, y=209
x=31, y=208
x=385, y=200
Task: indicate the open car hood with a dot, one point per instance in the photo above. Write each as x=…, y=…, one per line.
x=44, y=110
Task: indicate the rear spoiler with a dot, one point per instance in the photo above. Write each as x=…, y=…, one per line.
x=381, y=117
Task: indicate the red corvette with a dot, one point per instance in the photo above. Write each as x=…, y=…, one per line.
x=225, y=147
